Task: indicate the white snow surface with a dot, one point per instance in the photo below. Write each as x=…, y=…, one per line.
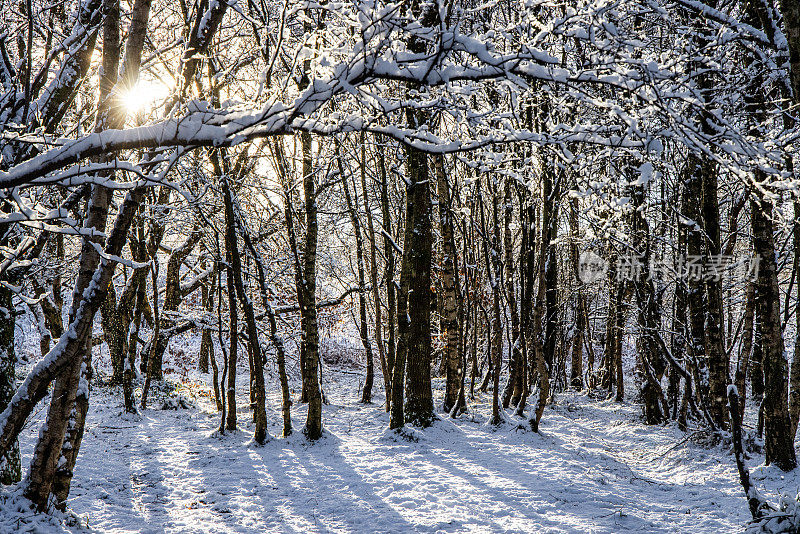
x=594, y=468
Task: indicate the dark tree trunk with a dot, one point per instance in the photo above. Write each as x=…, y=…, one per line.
x=450, y=291
x=779, y=441
x=206, y=342
x=363, y=329
x=414, y=300
x=308, y=309
x=680, y=335
x=391, y=300
x=651, y=360
x=233, y=348
x=373, y=273
x=696, y=297
x=746, y=347
x=717, y=356
x=794, y=378
x=543, y=341
x=258, y=393
x=527, y=281
x=491, y=257
x=576, y=367
x=277, y=340
x=10, y=469
x=516, y=379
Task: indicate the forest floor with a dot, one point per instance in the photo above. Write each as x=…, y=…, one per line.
x=595, y=467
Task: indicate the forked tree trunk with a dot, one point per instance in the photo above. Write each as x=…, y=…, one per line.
x=101, y=199
x=258, y=393
x=277, y=340
x=109, y=115
x=70, y=394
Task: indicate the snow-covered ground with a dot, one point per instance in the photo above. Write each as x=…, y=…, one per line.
x=594, y=468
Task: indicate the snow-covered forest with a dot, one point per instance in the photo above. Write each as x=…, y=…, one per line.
x=415, y=266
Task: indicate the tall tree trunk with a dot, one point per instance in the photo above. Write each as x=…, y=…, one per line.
x=233, y=334
x=450, y=294
x=491, y=255
x=696, y=297
x=544, y=309
x=70, y=400
x=151, y=346
x=373, y=273
x=717, y=356
x=258, y=393
x=10, y=468
x=652, y=362
x=277, y=340
x=527, y=281
x=794, y=382
x=282, y=168
x=308, y=309
x=109, y=116
x=681, y=331
x=779, y=440
x=514, y=388
x=576, y=367
x=551, y=275
x=366, y=393
x=746, y=347
x=391, y=301
x=414, y=300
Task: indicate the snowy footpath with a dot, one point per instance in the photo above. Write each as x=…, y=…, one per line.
x=594, y=468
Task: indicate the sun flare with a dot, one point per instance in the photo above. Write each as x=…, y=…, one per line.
x=142, y=96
